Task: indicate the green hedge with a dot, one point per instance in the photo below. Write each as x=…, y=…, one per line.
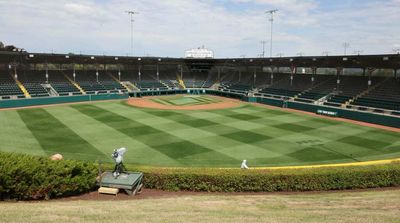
x=25, y=177
x=236, y=180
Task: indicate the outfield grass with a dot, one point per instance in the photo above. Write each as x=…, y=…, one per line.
x=373, y=206
x=212, y=138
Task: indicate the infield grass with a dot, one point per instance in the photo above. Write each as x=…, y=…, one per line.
x=185, y=100
x=366, y=207
x=206, y=138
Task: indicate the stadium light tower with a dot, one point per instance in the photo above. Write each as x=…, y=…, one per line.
x=263, y=48
x=132, y=13
x=271, y=19
x=345, y=46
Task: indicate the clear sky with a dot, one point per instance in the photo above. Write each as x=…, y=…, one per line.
x=232, y=28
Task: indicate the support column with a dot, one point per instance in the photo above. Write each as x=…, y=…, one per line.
x=74, y=74
x=272, y=74
x=47, y=73
x=240, y=75
x=395, y=73
x=314, y=73
x=139, y=72
x=97, y=73
x=158, y=73
x=181, y=72
x=339, y=71
x=219, y=74
x=293, y=70
x=15, y=73
x=370, y=71
x=119, y=73
x=254, y=77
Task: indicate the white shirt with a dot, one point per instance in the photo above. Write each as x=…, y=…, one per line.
x=244, y=165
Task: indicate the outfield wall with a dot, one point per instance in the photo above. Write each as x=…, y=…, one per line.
x=59, y=100
x=350, y=114
x=373, y=118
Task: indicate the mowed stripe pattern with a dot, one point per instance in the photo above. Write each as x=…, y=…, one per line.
x=215, y=138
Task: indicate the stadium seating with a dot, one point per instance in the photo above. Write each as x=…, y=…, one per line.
x=192, y=83
x=353, y=91
x=8, y=87
x=32, y=81
x=61, y=84
x=170, y=83
x=146, y=85
x=92, y=84
x=239, y=87
x=280, y=92
x=384, y=96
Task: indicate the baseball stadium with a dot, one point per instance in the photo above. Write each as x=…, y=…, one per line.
x=212, y=113
x=199, y=138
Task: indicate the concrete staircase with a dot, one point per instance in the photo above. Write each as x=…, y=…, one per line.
x=180, y=81
x=75, y=84
x=365, y=92
x=123, y=83
x=50, y=90
x=166, y=85
x=130, y=86
x=22, y=87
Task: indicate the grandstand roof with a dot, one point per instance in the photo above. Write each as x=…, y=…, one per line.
x=386, y=61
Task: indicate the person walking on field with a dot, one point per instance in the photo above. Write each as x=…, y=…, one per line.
x=244, y=165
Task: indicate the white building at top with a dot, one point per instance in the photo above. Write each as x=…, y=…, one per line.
x=199, y=53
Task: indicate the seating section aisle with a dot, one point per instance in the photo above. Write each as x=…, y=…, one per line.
x=283, y=85
x=147, y=85
x=32, y=81
x=61, y=84
x=350, y=87
x=385, y=96
x=8, y=87
x=198, y=79
x=91, y=84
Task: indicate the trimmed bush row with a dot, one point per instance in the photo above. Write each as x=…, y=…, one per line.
x=315, y=179
x=26, y=177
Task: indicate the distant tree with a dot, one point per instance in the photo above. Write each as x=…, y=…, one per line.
x=1, y=45
x=10, y=48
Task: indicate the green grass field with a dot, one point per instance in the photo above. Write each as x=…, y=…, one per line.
x=212, y=138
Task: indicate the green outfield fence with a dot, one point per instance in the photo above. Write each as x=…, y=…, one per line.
x=373, y=118
x=379, y=119
x=59, y=100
